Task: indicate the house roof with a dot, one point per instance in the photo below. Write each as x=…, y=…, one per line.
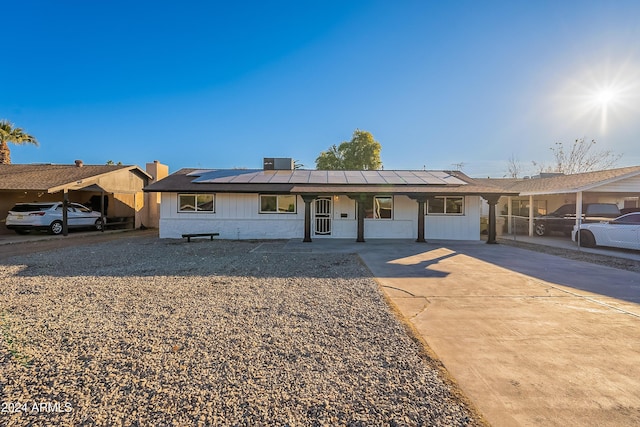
x=338, y=177
x=564, y=184
x=54, y=178
x=321, y=182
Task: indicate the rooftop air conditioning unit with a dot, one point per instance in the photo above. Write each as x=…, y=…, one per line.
x=278, y=163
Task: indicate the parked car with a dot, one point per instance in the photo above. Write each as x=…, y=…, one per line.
x=628, y=210
x=622, y=232
x=25, y=217
x=563, y=219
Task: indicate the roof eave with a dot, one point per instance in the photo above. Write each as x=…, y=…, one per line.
x=94, y=179
x=608, y=181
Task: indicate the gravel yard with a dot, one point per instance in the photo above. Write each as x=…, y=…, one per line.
x=142, y=331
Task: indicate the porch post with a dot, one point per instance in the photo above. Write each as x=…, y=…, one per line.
x=361, y=214
x=421, y=202
x=531, y=213
x=361, y=200
x=102, y=211
x=65, y=216
x=307, y=216
x=510, y=228
x=492, y=199
x=578, y=208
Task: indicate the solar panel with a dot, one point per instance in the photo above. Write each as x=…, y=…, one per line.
x=392, y=177
x=373, y=177
x=336, y=177
x=318, y=177
x=280, y=177
x=354, y=177
x=260, y=176
x=300, y=177
x=217, y=175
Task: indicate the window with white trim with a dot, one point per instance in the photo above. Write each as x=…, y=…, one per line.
x=445, y=205
x=382, y=208
x=196, y=202
x=278, y=203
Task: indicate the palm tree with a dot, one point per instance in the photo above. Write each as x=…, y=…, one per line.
x=15, y=135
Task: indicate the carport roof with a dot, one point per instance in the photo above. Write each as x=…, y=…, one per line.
x=564, y=184
x=53, y=178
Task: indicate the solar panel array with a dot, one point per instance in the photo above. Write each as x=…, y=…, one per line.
x=253, y=176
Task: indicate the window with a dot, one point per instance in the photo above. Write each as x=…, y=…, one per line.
x=382, y=208
x=196, y=203
x=447, y=205
x=277, y=203
x=80, y=208
x=633, y=218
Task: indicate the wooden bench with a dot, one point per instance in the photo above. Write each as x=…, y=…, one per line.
x=190, y=235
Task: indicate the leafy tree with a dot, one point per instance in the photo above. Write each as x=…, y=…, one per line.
x=14, y=135
x=579, y=157
x=361, y=153
x=112, y=163
x=331, y=159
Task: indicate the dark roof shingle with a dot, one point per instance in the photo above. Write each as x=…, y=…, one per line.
x=34, y=177
x=562, y=183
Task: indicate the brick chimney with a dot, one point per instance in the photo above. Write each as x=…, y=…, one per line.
x=79, y=163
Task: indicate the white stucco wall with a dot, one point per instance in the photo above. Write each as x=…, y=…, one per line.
x=456, y=227
x=237, y=217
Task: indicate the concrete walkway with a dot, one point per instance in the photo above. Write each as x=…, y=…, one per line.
x=532, y=339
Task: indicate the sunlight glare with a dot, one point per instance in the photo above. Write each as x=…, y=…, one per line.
x=605, y=96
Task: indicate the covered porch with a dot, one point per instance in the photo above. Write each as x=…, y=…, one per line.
x=371, y=203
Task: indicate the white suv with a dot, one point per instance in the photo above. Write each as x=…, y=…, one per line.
x=25, y=217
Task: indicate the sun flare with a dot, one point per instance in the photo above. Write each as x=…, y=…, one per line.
x=605, y=96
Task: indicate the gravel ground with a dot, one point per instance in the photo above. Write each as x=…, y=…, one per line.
x=142, y=331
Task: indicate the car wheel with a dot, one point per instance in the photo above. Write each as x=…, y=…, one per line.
x=99, y=224
x=586, y=239
x=541, y=229
x=55, y=227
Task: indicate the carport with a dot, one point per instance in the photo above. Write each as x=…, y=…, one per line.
x=120, y=185
x=620, y=186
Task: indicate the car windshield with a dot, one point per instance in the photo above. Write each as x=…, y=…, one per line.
x=566, y=210
x=604, y=210
x=628, y=219
x=81, y=208
x=30, y=208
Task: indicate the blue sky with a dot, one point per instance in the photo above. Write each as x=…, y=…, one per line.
x=223, y=84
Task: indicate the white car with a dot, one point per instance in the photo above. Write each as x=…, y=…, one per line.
x=622, y=232
x=25, y=217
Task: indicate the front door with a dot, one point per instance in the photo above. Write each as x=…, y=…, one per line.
x=322, y=220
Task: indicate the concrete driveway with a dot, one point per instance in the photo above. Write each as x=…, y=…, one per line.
x=532, y=339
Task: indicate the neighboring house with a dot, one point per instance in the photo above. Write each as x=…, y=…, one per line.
x=544, y=194
x=120, y=188
x=278, y=202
